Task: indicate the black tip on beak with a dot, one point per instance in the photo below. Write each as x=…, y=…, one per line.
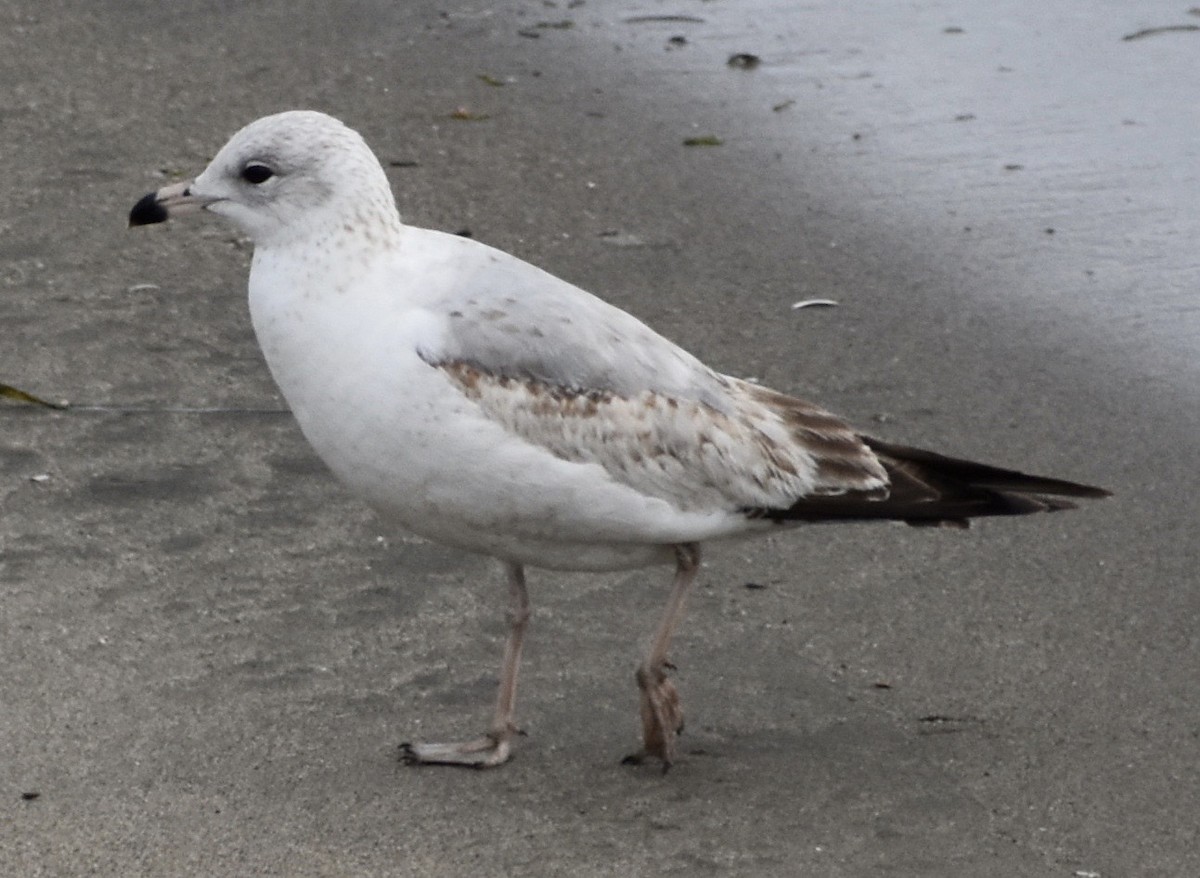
x=148, y=211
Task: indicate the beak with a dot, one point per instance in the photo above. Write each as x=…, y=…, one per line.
x=174, y=200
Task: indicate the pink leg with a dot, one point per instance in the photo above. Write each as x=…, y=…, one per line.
x=661, y=709
x=494, y=747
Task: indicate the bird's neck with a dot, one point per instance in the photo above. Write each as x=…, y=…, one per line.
x=332, y=256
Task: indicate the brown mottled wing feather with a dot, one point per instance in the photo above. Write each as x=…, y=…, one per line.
x=750, y=448
x=930, y=489
x=841, y=461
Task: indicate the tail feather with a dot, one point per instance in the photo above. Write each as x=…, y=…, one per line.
x=930, y=490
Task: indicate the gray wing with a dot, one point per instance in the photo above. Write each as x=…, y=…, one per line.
x=510, y=318
x=572, y=374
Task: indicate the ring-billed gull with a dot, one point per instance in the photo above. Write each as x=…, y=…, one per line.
x=485, y=404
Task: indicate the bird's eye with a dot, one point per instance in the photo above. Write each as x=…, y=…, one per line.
x=256, y=173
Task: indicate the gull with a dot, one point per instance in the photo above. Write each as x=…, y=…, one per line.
x=485, y=404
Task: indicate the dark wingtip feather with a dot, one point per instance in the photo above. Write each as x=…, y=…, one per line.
x=981, y=474
x=931, y=490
